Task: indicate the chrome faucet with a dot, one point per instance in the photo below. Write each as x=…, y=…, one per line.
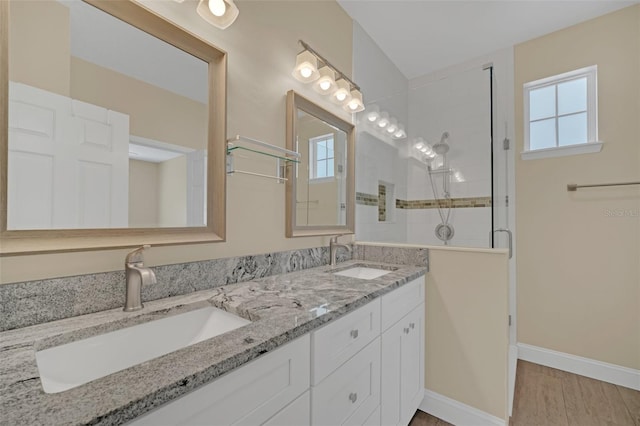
x=137, y=276
x=333, y=249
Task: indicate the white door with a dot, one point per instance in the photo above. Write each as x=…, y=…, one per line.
x=68, y=162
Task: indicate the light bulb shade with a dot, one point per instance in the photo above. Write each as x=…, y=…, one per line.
x=326, y=84
x=383, y=121
x=373, y=113
x=392, y=126
x=400, y=133
x=355, y=104
x=227, y=7
x=306, y=69
x=342, y=95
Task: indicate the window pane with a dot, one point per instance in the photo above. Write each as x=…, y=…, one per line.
x=542, y=103
x=572, y=129
x=321, y=169
x=542, y=134
x=572, y=96
x=321, y=151
x=330, y=168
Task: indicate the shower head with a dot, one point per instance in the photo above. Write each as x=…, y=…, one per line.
x=442, y=147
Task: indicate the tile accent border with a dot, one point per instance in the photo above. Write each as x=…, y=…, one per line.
x=34, y=302
x=456, y=203
x=366, y=199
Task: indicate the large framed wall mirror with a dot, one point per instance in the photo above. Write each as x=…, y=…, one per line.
x=112, y=128
x=320, y=192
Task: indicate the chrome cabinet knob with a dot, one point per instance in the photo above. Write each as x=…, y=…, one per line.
x=406, y=330
x=354, y=334
x=412, y=325
x=353, y=397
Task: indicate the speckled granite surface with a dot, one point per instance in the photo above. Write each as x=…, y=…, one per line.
x=282, y=307
x=35, y=302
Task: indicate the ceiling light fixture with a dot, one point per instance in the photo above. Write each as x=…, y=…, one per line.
x=219, y=13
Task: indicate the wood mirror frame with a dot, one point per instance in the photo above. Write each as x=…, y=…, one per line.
x=18, y=242
x=297, y=102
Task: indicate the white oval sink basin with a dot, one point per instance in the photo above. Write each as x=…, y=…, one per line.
x=363, y=272
x=73, y=364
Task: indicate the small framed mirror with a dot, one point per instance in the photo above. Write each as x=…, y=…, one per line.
x=112, y=132
x=320, y=196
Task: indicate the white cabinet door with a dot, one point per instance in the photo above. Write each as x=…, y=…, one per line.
x=402, y=373
x=412, y=364
x=249, y=395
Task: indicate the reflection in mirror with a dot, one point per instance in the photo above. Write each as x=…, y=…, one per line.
x=320, y=189
x=107, y=123
x=320, y=175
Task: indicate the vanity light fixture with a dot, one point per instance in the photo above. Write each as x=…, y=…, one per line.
x=383, y=121
x=373, y=113
x=328, y=80
x=342, y=95
x=306, y=69
x=355, y=104
x=326, y=84
x=392, y=126
x=219, y=13
x=400, y=133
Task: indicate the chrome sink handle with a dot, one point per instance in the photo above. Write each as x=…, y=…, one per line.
x=136, y=275
x=333, y=248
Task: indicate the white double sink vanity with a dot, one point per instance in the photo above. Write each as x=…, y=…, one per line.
x=365, y=368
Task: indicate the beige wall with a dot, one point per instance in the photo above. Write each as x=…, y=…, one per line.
x=262, y=45
x=40, y=45
x=578, y=267
x=155, y=113
x=467, y=338
x=143, y=193
x=172, y=198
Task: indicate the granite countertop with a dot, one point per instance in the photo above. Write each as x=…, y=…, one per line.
x=281, y=308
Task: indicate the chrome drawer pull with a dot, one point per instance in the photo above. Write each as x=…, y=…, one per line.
x=354, y=334
x=406, y=330
x=353, y=397
x=412, y=325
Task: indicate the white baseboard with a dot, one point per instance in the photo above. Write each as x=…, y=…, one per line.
x=455, y=412
x=610, y=373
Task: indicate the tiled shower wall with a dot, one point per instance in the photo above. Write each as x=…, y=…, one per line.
x=458, y=104
x=457, y=101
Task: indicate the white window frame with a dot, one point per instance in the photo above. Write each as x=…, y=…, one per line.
x=313, y=161
x=592, y=144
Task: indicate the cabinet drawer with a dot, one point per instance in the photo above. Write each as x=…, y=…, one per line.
x=335, y=343
x=396, y=304
x=352, y=393
x=249, y=395
x=298, y=413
